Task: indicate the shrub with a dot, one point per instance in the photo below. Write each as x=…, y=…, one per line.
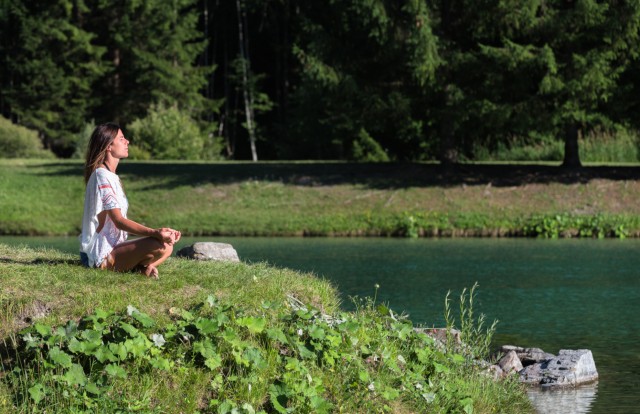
x=168, y=133
x=19, y=142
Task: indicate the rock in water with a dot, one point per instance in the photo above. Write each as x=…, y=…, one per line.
x=569, y=368
x=209, y=251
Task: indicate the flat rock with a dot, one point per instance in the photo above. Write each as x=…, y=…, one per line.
x=210, y=251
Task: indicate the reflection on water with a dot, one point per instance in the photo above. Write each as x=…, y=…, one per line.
x=549, y=294
x=564, y=401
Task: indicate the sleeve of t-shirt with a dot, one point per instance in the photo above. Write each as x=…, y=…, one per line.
x=106, y=193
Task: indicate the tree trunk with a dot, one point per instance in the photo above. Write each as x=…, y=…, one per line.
x=571, y=152
x=246, y=90
x=448, y=153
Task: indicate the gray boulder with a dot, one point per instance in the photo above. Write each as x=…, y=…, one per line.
x=527, y=356
x=209, y=251
x=510, y=363
x=569, y=368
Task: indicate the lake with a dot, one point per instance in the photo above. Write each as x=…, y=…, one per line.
x=550, y=294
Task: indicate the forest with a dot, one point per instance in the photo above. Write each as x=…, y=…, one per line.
x=359, y=80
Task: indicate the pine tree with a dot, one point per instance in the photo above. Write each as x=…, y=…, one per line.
x=152, y=51
x=49, y=65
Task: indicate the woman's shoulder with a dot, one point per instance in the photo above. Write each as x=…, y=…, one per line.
x=101, y=174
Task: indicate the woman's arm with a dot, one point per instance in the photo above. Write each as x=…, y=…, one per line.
x=165, y=235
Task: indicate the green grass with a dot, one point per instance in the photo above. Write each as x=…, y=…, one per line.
x=71, y=341
x=326, y=199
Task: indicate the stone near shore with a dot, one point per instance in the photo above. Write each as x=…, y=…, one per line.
x=209, y=251
x=569, y=368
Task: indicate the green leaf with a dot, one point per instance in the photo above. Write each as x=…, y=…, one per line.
x=137, y=346
x=440, y=367
x=75, y=375
x=59, y=357
x=160, y=363
x=457, y=358
x=255, y=325
x=316, y=332
x=37, y=393
x=144, y=319
x=118, y=350
x=364, y=376
x=279, y=396
x=129, y=329
x=390, y=394
x=204, y=348
x=320, y=405
x=76, y=346
x=467, y=405
x=114, y=370
x=43, y=330
x=206, y=326
x=103, y=354
x=276, y=334
x=92, y=388
x=305, y=352
x=213, y=362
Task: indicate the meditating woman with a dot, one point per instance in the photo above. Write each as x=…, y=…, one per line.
x=105, y=226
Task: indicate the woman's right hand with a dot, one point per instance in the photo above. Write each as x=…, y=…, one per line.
x=168, y=236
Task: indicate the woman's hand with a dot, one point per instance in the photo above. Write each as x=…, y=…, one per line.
x=169, y=236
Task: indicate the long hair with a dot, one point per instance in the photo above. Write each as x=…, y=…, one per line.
x=102, y=136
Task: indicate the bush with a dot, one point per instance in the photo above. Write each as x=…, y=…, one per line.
x=19, y=142
x=169, y=134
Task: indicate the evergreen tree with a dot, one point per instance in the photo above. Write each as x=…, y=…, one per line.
x=49, y=65
x=364, y=66
x=152, y=50
x=545, y=67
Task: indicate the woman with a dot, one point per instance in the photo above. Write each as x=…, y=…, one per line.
x=103, y=243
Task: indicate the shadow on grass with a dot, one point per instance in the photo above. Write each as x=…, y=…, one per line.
x=373, y=175
x=41, y=261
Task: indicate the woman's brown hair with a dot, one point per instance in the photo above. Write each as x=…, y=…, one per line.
x=102, y=136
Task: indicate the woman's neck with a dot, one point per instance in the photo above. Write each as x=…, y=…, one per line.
x=111, y=164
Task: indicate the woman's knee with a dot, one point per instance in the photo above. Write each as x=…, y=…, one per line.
x=162, y=249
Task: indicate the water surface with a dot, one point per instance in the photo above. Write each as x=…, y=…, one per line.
x=551, y=294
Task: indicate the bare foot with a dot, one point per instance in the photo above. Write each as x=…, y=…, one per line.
x=150, y=272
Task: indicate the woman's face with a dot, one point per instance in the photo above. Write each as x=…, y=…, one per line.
x=119, y=148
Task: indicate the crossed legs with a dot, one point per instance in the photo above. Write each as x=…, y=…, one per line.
x=144, y=254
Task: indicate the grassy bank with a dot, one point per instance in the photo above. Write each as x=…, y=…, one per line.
x=217, y=337
x=329, y=199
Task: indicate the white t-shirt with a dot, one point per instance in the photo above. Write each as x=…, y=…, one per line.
x=104, y=192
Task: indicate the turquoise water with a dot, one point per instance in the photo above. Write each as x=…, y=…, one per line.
x=551, y=294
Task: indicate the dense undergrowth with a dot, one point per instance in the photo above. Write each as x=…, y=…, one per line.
x=267, y=349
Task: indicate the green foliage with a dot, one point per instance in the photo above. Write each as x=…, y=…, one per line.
x=273, y=359
x=566, y=225
x=365, y=148
x=49, y=67
x=19, y=142
x=619, y=146
x=168, y=133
